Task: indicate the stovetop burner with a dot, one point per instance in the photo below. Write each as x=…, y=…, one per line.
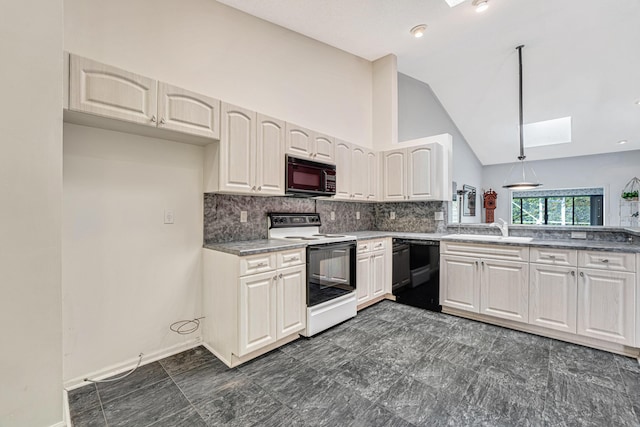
x=303, y=227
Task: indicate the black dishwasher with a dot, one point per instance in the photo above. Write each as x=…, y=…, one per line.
x=416, y=273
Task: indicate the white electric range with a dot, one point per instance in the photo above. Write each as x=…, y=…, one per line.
x=331, y=268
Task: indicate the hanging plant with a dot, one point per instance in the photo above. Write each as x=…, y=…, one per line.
x=630, y=191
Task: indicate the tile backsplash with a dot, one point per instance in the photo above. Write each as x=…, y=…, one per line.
x=222, y=216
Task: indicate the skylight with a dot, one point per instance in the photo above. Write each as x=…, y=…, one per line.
x=548, y=132
x=453, y=3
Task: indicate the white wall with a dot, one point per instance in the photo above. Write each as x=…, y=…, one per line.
x=611, y=171
x=421, y=114
x=213, y=49
x=385, y=102
x=126, y=275
x=30, y=214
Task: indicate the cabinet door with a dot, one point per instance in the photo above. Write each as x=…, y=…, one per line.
x=504, y=289
x=292, y=308
x=378, y=275
x=257, y=312
x=343, y=170
x=606, y=305
x=237, y=150
x=460, y=282
x=419, y=180
x=299, y=141
x=363, y=278
x=270, y=156
x=188, y=112
x=372, y=176
x=359, y=173
x=553, y=292
x=111, y=92
x=324, y=147
x=394, y=175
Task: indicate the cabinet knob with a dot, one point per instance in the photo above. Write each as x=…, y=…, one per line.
x=295, y=258
x=275, y=277
x=260, y=188
x=573, y=273
x=262, y=264
x=280, y=275
x=476, y=264
x=253, y=188
x=153, y=119
x=581, y=274
x=162, y=121
x=552, y=257
x=605, y=260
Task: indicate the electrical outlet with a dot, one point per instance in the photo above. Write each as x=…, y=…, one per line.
x=243, y=216
x=333, y=216
x=578, y=234
x=392, y=215
x=168, y=216
x=439, y=216
x=357, y=214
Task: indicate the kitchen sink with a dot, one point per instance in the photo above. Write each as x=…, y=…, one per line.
x=486, y=238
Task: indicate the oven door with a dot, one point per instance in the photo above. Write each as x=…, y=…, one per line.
x=331, y=271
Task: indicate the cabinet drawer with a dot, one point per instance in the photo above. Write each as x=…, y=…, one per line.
x=505, y=252
x=564, y=257
x=257, y=263
x=613, y=261
x=372, y=245
x=291, y=258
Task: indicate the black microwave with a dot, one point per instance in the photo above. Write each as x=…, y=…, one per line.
x=307, y=178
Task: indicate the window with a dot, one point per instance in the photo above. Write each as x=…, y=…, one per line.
x=580, y=206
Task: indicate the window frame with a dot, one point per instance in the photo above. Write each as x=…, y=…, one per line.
x=561, y=192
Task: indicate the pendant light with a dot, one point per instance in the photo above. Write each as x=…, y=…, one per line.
x=518, y=182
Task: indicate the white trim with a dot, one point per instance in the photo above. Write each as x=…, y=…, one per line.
x=66, y=411
x=124, y=366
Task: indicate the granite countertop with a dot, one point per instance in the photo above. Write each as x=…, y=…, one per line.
x=251, y=247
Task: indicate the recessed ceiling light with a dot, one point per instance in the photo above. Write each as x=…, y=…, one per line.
x=638, y=102
x=418, y=30
x=481, y=5
x=624, y=141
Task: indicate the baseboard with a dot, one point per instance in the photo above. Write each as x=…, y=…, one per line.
x=129, y=364
x=549, y=333
x=66, y=412
x=60, y=424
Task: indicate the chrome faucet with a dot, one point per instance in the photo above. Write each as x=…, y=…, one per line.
x=504, y=227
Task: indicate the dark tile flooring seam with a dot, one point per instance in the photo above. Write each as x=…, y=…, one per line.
x=101, y=406
x=182, y=391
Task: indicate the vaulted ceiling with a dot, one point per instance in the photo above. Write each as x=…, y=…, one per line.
x=581, y=59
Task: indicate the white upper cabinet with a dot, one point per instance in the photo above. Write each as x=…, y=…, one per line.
x=324, y=148
x=237, y=150
x=372, y=184
x=395, y=175
x=108, y=91
x=359, y=173
x=420, y=179
x=189, y=112
x=249, y=159
x=416, y=173
x=270, y=167
x=307, y=144
x=343, y=170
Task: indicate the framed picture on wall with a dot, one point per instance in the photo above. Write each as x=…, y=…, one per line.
x=469, y=200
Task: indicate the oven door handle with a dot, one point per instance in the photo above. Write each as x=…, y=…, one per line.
x=337, y=245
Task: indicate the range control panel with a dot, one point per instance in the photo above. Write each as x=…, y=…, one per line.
x=281, y=220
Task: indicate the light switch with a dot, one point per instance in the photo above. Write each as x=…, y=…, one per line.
x=357, y=214
x=243, y=216
x=392, y=215
x=333, y=216
x=168, y=216
x=439, y=216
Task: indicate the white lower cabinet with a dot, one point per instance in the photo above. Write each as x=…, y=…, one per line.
x=592, y=294
x=373, y=279
x=460, y=283
x=606, y=305
x=254, y=303
x=504, y=289
x=491, y=283
x=553, y=297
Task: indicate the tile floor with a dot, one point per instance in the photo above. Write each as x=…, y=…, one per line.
x=392, y=365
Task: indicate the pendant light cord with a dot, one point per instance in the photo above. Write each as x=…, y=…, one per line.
x=522, y=156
